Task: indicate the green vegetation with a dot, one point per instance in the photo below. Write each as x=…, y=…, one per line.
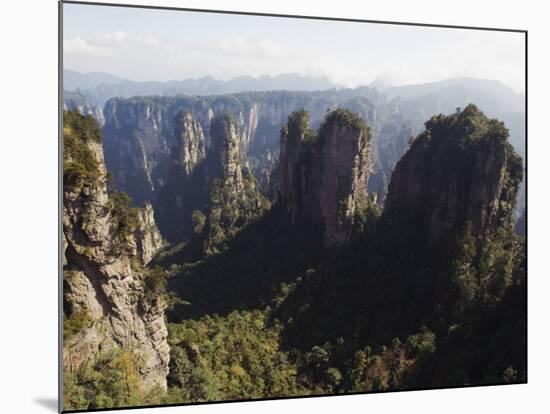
x=112, y=380
x=344, y=117
x=229, y=211
x=126, y=217
x=234, y=200
x=75, y=323
x=79, y=163
x=80, y=167
x=233, y=357
x=155, y=283
x=199, y=220
x=298, y=123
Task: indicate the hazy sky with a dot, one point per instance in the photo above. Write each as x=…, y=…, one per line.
x=143, y=44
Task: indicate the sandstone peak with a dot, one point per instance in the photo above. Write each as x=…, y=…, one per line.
x=461, y=169
x=324, y=176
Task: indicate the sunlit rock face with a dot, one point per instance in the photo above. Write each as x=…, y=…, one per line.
x=104, y=267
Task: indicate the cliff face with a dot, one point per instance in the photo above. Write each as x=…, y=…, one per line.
x=107, y=245
x=142, y=136
x=86, y=105
x=134, y=146
x=461, y=170
x=225, y=160
x=148, y=237
x=191, y=150
x=324, y=177
x=392, y=117
x=216, y=181
x=147, y=141
x=234, y=198
x=178, y=191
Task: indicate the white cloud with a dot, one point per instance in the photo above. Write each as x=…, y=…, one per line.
x=117, y=43
x=116, y=38
x=252, y=48
x=81, y=46
x=398, y=57
x=122, y=39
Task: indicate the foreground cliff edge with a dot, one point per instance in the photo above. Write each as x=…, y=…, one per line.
x=112, y=305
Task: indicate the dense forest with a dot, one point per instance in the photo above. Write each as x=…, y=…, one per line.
x=312, y=287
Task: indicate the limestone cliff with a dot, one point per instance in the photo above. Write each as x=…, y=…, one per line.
x=191, y=142
x=139, y=132
x=234, y=198
x=324, y=177
x=86, y=105
x=106, y=247
x=147, y=235
x=143, y=135
x=225, y=161
x=461, y=169
x=178, y=193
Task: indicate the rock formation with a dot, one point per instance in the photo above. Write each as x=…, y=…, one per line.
x=461, y=169
x=191, y=142
x=234, y=198
x=148, y=237
x=225, y=160
x=106, y=247
x=324, y=177
x=261, y=114
x=143, y=135
x=86, y=105
x=134, y=147
x=179, y=191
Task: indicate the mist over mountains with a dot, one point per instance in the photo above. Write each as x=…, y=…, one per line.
x=106, y=85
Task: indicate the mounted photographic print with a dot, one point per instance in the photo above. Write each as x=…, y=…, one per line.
x=263, y=206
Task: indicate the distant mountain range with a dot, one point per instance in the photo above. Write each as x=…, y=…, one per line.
x=102, y=86
x=494, y=97
x=492, y=92
x=73, y=80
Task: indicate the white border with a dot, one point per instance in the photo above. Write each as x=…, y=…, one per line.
x=28, y=306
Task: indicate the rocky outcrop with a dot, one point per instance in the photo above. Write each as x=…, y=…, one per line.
x=106, y=247
x=324, y=177
x=148, y=237
x=148, y=141
x=234, y=198
x=460, y=170
x=143, y=135
x=225, y=160
x=191, y=150
x=178, y=191
x=134, y=147
x=208, y=179
x=86, y=105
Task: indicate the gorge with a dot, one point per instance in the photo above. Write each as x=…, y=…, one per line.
x=287, y=243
